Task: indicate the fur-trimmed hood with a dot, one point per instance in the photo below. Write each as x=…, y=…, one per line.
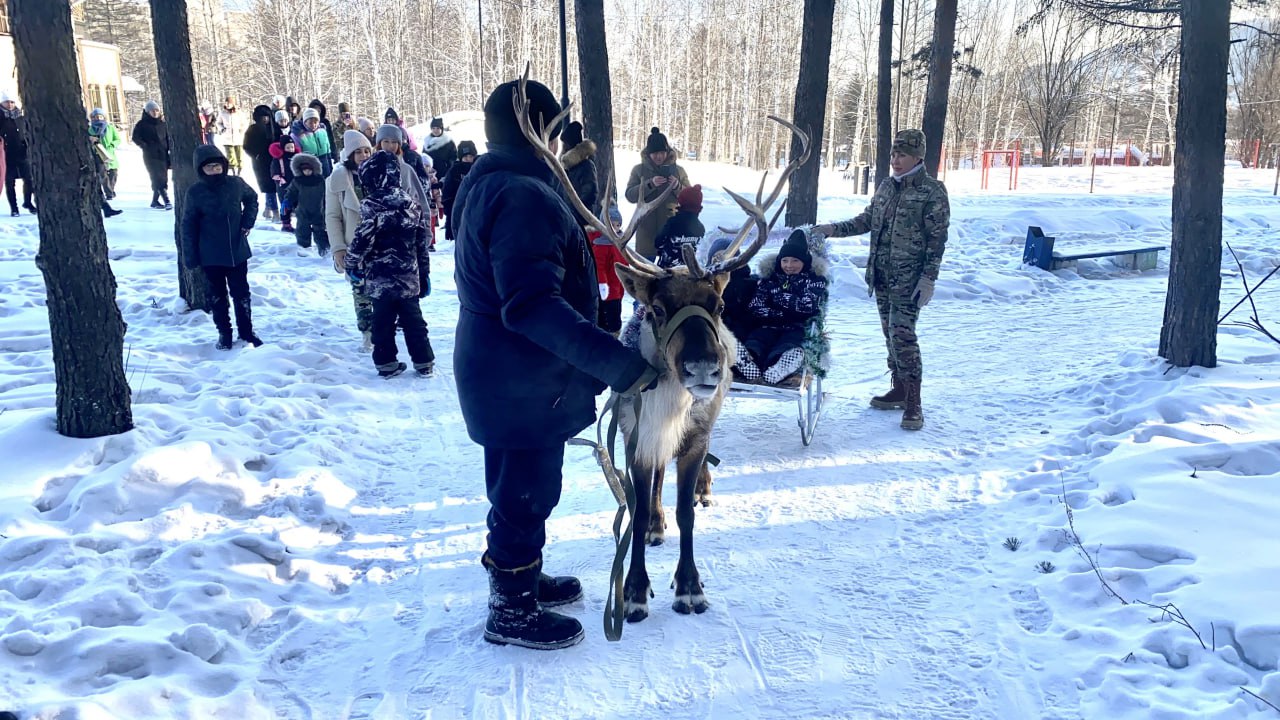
x=767, y=265
x=431, y=143
x=303, y=160
x=582, y=152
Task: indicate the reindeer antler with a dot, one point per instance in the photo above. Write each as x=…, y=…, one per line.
x=541, y=144
x=757, y=212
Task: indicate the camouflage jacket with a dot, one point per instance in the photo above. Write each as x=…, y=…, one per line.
x=389, y=249
x=908, y=222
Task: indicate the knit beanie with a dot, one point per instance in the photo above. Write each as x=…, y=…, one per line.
x=97, y=112
x=718, y=246
x=151, y=105
x=353, y=140
x=278, y=102
x=282, y=116
x=657, y=142
x=389, y=132
x=392, y=117
x=466, y=147
x=572, y=136
x=437, y=122
x=797, y=246
x=6, y=96
x=310, y=113
x=500, y=124
x=365, y=125
x=690, y=199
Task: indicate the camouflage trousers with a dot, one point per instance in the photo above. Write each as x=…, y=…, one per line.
x=898, y=316
x=364, y=309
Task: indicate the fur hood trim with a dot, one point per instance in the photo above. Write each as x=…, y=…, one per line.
x=766, y=264
x=302, y=160
x=431, y=143
x=582, y=152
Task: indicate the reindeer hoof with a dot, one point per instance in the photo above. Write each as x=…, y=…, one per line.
x=686, y=604
x=654, y=538
x=636, y=611
x=703, y=500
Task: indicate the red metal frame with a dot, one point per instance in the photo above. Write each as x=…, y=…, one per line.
x=1015, y=161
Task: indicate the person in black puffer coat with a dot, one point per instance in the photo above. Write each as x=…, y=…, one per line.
x=306, y=196
x=791, y=292
x=528, y=360
x=257, y=144
x=216, y=219
x=580, y=165
x=443, y=151
x=152, y=136
x=683, y=228
x=13, y=131
x=737, y=294
x=388, y=257
x=453, y=182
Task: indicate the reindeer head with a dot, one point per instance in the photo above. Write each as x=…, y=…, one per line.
x=683, y=304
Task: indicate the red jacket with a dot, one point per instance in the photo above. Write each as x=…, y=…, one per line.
x=606, y=256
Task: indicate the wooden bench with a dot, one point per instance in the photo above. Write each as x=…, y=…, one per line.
x=1039, y=251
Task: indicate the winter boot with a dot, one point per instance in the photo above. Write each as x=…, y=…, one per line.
x=559, y=590
x=391, y=369
x=517, y=618
x=108, y=211
x=895, y=399
x=745, y=366
x=164, y=196
x=790, y=362
x=155, y=201
x=222, y=321
x=426, y=369
x=244, y=322
x=912, y=413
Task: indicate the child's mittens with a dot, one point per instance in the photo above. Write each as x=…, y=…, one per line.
x=604, y=291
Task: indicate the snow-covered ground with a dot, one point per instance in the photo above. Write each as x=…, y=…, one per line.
x=285, y=535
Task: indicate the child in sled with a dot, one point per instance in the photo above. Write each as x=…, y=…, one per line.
x=790, y=292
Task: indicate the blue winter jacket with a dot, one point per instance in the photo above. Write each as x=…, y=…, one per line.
x=528, y=357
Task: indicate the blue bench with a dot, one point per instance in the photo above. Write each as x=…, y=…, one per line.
x=1039, y=251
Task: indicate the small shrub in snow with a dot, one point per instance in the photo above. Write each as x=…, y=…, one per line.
x=1012, y=544
x=1045, y=567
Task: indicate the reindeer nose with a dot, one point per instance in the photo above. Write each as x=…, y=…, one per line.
x=701, y=372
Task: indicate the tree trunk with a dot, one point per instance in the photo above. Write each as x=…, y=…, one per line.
x=811, y=109
x=936, y=97
x=1190, y=333
x=597, y=92
x=178, y=88
x=85, y=326
x=884, y=92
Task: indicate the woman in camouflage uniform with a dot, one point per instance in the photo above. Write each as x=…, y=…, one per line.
x=908, y=219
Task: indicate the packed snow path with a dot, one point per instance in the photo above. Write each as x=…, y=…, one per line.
x=287, y=536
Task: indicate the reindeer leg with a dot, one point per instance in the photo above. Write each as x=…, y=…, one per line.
x=657, y=517
x=702, y=493
x=636, y=590
x=689, y=595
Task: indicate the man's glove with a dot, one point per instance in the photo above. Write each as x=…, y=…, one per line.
x=924, y=291
x=425, y=285
x=604, y=291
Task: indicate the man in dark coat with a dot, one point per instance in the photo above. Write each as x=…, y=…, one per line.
x=528, y=360
x=216, y=220
x=257, y=143
x=17, y=167
x=152, y=137
x=580, y=165
x=453, y=182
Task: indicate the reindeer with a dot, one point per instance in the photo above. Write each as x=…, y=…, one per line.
x=683, y=336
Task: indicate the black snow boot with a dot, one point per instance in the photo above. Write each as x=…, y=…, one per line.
x=164, y=196
x=244, y=322
x=222, y=321
x=515, y=616
x=557, y=591
x=108, y=211
x=912, y=413
x=155, y=201
x=895, y=399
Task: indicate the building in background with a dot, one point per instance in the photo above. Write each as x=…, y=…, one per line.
x=101, y=83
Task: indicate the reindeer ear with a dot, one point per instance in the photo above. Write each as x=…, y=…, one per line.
x=637, y=284
x=720, y=282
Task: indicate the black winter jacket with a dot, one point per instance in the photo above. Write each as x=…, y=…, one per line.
x=218, y=214
x=257, y=143
x=737, y=302
x=306, y=193
x=449, y=194
x=683, y=227
x=443, y=151
x=528, y=359
x=787, y=301
x=152, y=136
x=580, y=165
x=12, y=130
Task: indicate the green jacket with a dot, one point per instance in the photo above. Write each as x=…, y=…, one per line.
x=908, y=221
x=109, y=140
x=649, y=228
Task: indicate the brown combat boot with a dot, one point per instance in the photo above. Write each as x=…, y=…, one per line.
x=895, y=399
x=912, y=413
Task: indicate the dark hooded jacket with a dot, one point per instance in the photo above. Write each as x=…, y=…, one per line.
x=217, y=216
x=580, y=165
x=13, y=129
x=449, y=194
x=389, y=250
x=528, y=359
x=306, y=193
x=151, y=135
x=257, y=143
x=788, y=301
x=683, y=227
x=443, y=151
